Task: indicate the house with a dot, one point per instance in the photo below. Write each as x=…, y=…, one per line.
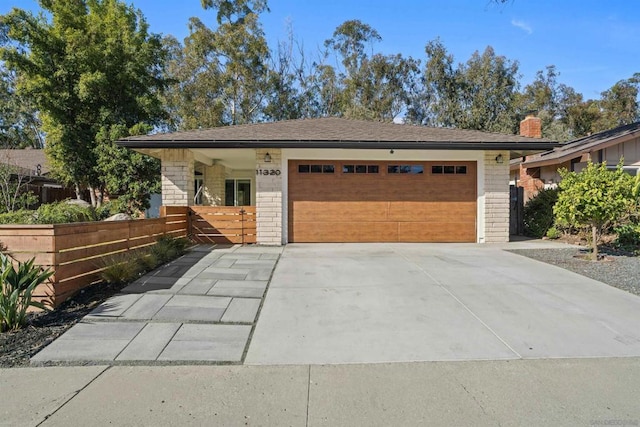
x=341, y=180
x=537, y=171
x=31, y=168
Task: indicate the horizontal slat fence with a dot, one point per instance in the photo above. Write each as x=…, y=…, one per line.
x=223, y=224
x=75, y=251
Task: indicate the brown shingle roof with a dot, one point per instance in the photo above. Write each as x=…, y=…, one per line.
x=26, y=159
x=330, y=132
x=584, y=145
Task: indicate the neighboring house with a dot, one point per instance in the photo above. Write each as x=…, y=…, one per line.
x=32, y=168
x=340, y=180
x=538, y=171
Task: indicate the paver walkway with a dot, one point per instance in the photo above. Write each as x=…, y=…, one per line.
x=201, y=307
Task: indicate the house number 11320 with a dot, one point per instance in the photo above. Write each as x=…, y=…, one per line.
x=267, y=171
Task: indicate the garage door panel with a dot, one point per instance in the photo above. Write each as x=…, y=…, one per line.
x=432, y=211
x=339, y=211
x=449, y=232
x=329, y=232
x=437, y=205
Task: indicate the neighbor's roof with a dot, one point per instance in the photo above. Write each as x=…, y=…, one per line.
x=588, y=144
x=333, y=132
x=26, y=159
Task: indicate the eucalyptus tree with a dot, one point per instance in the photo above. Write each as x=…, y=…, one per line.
x=478, y=94
x=366, y=85
x=220, y=74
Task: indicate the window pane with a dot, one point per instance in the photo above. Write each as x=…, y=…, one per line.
x=243, y=195
x=436, y=169
x=405, y=169
x=449, y=169
x=417, y=169
x=229, y=192
x=393, y=169
x=348, y=169
x=316, y=168
x=461, y=169
x=372, y=169
x=328, y=169
x=303, y=168
x=361, y=169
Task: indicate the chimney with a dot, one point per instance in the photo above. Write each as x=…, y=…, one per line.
x=531, y=126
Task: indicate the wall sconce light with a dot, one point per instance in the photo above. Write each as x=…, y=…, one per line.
x=499, y=159
x=267, y=158
x=391, y=151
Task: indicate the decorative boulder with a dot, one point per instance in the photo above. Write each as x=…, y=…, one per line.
x=78, y=202
x=119, y=217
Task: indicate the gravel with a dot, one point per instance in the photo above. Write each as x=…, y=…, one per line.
x=619, y=270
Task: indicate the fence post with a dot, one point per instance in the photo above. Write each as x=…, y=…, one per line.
x=242, y=212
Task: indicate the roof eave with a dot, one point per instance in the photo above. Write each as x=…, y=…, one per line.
x=408, y=145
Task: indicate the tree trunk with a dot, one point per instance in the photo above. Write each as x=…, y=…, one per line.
x=594, y=242
x=78, y=193
x=92, y=195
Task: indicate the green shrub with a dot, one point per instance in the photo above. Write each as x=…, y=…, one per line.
x=168, y=248
x=628, y=236
x=553, y=233
x=105, y=210
x=62, y=212
x=538, y=213
x=17, y=217
x=148, y=260
x=120, y=268
x=18, y=285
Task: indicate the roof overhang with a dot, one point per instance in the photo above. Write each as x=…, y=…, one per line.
x=518, y=149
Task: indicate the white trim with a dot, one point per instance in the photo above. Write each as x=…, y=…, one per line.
x=383, y=155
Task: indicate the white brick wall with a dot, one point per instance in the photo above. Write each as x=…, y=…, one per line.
x=496, y=197
x=177, y=177
x=269, y=199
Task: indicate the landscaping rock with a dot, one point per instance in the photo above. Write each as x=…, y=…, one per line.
x=78, y=202
x=119, y=217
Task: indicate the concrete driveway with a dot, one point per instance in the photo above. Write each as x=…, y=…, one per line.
x=370, y=303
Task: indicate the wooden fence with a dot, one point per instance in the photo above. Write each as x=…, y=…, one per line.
x=223, y=224
x=75, y=251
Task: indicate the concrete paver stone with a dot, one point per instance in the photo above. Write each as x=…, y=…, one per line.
x=150, y=342
x=242, y=310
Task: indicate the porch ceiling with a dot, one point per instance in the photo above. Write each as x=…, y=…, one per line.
x=232, y=158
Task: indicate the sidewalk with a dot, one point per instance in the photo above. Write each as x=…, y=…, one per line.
x=567, y=392
x=200, y=308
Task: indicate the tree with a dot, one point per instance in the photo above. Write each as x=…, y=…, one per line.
x=221, y=76
x=235, y=11
x=19, y=122
x=14, y=186
x=479, y=94
x=594, y=198
x=373, y=87
x=551, y=101
x=90, y=66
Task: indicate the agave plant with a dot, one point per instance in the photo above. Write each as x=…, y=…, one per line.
x=18, y=283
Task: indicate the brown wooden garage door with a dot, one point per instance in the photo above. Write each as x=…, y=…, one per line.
x=347, y=201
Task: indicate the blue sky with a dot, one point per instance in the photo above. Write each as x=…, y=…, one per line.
x=593, y=43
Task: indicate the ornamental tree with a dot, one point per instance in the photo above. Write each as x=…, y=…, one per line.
x=92, y=68
x=594, y=199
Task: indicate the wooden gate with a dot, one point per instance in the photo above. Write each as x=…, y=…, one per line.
x=223, y=224
x=516, y=219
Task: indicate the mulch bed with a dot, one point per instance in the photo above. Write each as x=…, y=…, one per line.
x=43, y=327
